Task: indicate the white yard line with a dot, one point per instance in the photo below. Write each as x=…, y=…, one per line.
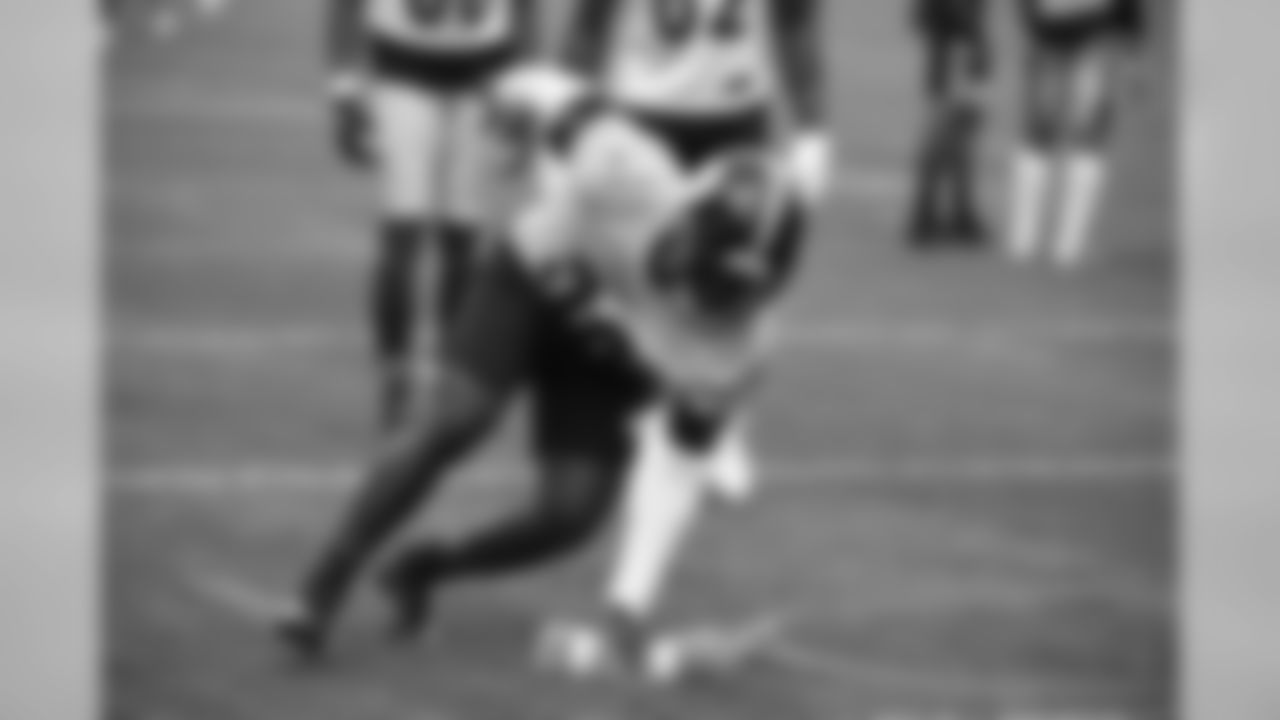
x=231, y=340
x=771, y=636
x=1029, y=351
x=197, y=479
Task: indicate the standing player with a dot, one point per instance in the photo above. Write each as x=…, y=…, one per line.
x=945, y=206
x=1060, y=173
x=710, y=75
x=408, y=83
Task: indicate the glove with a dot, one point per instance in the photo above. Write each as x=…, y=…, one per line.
x=352, y=126
x=808, y=165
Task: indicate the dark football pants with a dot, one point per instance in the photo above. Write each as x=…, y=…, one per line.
x=506, y=339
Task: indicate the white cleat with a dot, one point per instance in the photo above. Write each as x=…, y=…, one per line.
x=587, y=651
x=579, y=650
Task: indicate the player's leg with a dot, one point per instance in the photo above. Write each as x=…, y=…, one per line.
x=665, y=498
x=682, y=458
x=485, y=358
x=1088, y=119
x=924, y=225
x=963, y=173
x=580, y=409
x=408, y=121
x=1031, y=174
x=945, y=203
x=466, y=191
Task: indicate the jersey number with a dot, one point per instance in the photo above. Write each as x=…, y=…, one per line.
x=681, y=21
x=449, y=12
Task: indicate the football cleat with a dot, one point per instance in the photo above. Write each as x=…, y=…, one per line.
x=410, y=585
x=304, y=635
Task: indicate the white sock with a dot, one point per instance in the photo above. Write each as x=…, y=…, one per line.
x=1030, y=185
x=730, y=466
x=1084, y=179
x=664, y=497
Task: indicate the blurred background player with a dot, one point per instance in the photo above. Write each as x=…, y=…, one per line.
x=409, y=78
x=1061, y=171
x=945, y=207
x=707, y=76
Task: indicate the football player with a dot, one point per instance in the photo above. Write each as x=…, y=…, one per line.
x=408, y=84
x=945, y=207
x=707, y=78
x=710, y=75
x=1060, y=172
x=610, y=245
x=707, y=348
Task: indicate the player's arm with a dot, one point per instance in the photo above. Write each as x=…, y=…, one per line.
x=786, y=252
x=803, y=68
x=543, y=232
x=345, y=41
x=346, y=53
x=587, y=38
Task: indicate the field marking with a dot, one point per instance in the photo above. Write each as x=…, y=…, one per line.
x=231, y=340
x=767, y=636
x=255, y=604
x=198, y=479
x=248, y=601
x=1026, y=350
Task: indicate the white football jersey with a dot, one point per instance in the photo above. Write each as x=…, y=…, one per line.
x=604, y=206
x=692, y=56
x=445, y=25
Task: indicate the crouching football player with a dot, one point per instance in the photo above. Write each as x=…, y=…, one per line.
x=705, y=342
x=1060, y=172
x=409, y=84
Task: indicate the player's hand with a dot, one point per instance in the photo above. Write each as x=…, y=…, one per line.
x=809, y=165
x=352, y=127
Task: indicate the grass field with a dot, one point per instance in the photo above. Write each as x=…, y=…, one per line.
x=970, y=511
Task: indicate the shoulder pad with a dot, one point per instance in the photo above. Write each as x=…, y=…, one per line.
x=555, y=104
x=540, y=89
